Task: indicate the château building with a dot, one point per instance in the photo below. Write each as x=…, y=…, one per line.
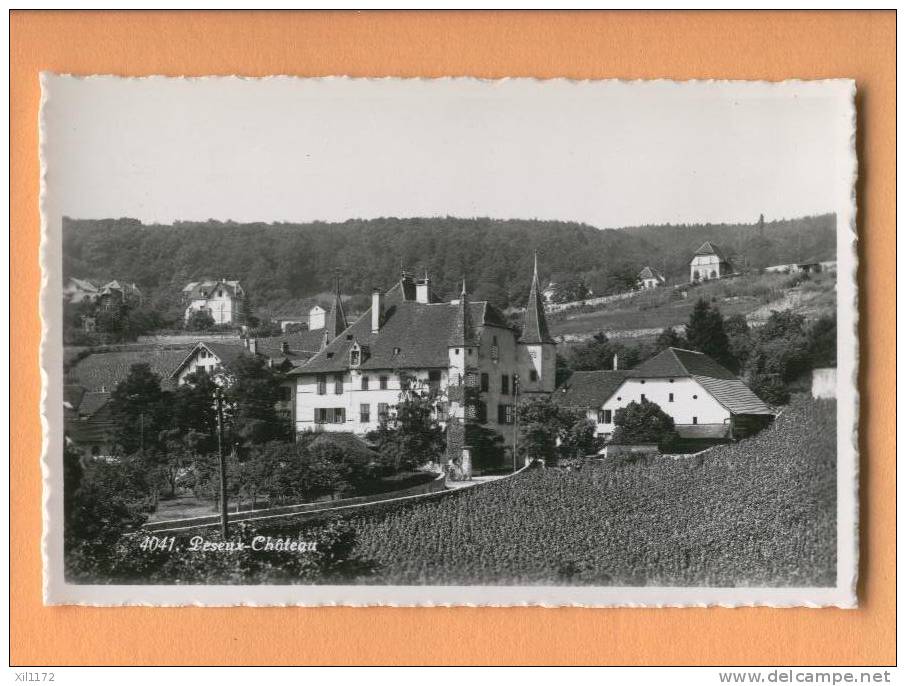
x=463, y=355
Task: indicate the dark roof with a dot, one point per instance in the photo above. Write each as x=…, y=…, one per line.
x=534, y=325
x=302, y=346
x=462, y=332
x=413, y=335
x=104, y=370
x=709, y=248
x=720, y=382
x=677, y=362
x=589, y=389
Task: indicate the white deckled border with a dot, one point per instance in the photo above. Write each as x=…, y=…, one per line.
x=57, y=591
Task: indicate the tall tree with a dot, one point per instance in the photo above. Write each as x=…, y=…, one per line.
x=251, y=396
x=140, y=410
x=705, y=333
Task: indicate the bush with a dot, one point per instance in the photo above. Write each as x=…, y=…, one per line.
x=200, y=320
x=644, y=422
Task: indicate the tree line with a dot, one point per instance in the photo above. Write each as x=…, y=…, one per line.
x=283, y=262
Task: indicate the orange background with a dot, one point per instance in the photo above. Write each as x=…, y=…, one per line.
x=684, y=45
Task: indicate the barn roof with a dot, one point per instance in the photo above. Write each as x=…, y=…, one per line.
x=728, y=389
x=589, y=389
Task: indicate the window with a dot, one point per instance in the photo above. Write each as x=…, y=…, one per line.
x=533, y=375
x=505, y=414
x=642, y=381
x=510, y=414
x=608, y=416
x=643, y=397
x=364, y=413
x=286, y=393
x=485, y=382
x=504, y=384
x=365, y=382
x=482, y=412
x=383, y=382
x=322, y=384
x=695, y=420
x=330, y=415
x=383, y=410
x=441, y=411
x=471, y=379
x=338, y=384
x=670, y=398
x=695, y=397
x=434, y=381
x=355, y=357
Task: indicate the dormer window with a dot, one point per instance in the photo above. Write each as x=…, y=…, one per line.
x=396, y=351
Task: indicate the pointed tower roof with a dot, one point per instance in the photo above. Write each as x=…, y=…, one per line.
x=335, y=323
x=534, y=325
x=462, y=332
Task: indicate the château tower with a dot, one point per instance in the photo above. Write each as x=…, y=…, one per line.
x=536, y=350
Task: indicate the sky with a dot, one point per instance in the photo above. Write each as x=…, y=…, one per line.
x=609, y=154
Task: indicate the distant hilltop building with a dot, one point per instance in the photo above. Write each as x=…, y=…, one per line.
x=649, y=278
x=222, y=299
x=462, y=355
x=806, y=267
x=709, y=263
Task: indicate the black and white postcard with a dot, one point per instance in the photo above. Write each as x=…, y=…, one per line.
x=449, y=342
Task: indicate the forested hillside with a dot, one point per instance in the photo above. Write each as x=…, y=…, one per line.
x=282, y=263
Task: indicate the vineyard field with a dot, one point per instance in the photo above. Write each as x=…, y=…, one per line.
x=761, y=512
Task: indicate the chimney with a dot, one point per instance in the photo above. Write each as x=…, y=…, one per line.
x=423, y=290
x=253, y=346
x=377, y=310
x=616, y=361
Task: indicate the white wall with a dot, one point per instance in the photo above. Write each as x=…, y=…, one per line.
x=480, y=359
x=222, y=308
x=690, y=400
x=704, y=265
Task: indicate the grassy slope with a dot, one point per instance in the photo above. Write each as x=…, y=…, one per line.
x=761, y=512
x=745, y=295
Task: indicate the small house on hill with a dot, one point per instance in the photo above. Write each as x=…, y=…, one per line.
x=649, y=278
x=221, y=299
x=79, y=290
x=709, y=263
x=708, y=403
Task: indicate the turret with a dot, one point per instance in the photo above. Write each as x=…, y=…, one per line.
x=335, y=322
x=537, y=351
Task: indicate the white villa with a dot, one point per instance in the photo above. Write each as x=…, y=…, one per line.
x=221, y=299
x=410, y=341
x=706, y=401
x=709, y=263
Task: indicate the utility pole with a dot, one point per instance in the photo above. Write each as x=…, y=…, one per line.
x=515, y=420
x=224, y=526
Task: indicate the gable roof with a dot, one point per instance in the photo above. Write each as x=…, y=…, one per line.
x=534, y=325
x=202, y=289
x=414, y=335
x=709, y=248
x=649, y=273
x=81, y=284
x=589, y=389
x=102, y=371
x=728, y=389
x=227, y=353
